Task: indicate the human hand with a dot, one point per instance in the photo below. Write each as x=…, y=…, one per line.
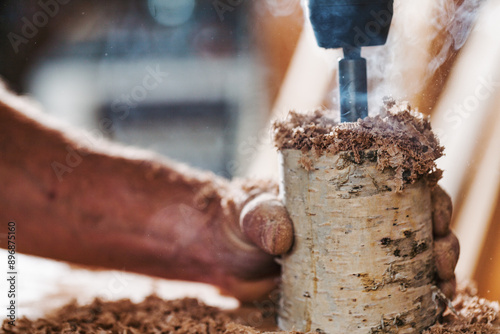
x=446, y=245
x=255, y=228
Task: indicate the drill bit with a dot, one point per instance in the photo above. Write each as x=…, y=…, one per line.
x=353, y=85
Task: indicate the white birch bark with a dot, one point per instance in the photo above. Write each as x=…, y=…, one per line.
x=362, y=257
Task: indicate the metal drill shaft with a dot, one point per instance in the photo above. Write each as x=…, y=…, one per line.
x=353, y=86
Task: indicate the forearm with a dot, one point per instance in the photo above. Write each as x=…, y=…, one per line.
x=95, y=206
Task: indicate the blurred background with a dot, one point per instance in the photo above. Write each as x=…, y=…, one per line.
x=199, y=81
x=190, y=79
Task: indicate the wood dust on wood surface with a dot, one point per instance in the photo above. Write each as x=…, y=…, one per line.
x=155, y=315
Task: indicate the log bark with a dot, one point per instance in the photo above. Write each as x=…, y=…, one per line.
x=362, y=259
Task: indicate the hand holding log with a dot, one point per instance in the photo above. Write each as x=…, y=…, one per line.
x=446, y=245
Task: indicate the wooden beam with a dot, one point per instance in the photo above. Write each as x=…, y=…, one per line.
x=305, y=86
x=488, y=268
x=474, y=219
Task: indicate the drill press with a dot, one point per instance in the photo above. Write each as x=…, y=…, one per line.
x=350, y=25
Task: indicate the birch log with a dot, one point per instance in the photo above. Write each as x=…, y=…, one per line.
x=362, y=258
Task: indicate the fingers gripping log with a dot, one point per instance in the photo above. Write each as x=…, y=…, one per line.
x=362, y=260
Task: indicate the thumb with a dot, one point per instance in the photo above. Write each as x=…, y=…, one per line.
x=265, y=221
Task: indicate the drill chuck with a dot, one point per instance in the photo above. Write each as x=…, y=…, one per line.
x=341, y=23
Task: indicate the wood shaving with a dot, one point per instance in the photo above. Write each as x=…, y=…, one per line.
x=402, y=138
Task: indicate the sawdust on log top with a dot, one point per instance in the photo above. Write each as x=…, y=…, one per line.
x=155, y=315
x=402, y=138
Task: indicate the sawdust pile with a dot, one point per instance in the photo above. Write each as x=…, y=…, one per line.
x=155, y=315
x=401, y=137
x=473, y=315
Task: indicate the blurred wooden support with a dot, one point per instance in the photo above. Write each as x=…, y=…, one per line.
x=304, y=88
x=276, y=37
x=446, y=35
x=468, y=122
x=488, y=269
x=308, y=77
x=473, y=221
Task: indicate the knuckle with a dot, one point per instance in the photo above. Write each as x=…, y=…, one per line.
x=266, y=223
